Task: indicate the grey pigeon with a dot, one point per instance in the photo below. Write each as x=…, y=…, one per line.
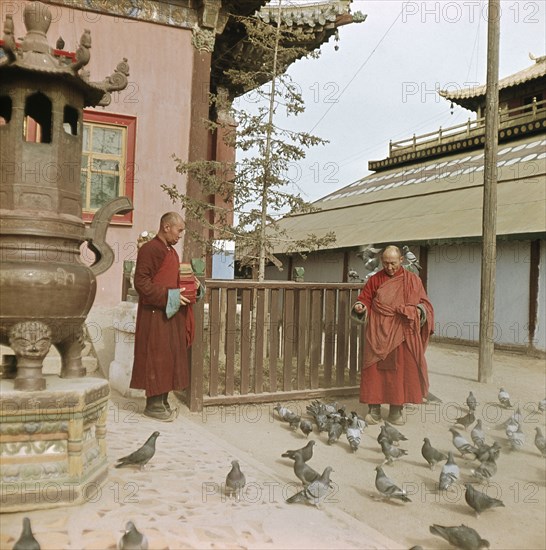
x=316, y=491
x=132, y=539
x=471, y=402
x=477, y=434
x=361, y=422
x=517, y=439
x=431, y=398
x=542, y=405
x=410, y=257
x=488, y=452
x=141, y=456
x=430, y=454
x=387, y=488
x=293, y=419
x=504, y=399
x=460, y=536
x=511, y=426
x=59, y=45
x=303, y=471
x=466, y=420
x=26, y=541
x=391, y=452
x=335, y=429
x=283, y=412
x=480, y=501
x=306, y=427
x=462, y=445
x=450, y=473
x=485, y=471
x=306, y=452
x=354, y=433
x=394, y=434
x=235, y=480
x=384, y=435
x=540, y=442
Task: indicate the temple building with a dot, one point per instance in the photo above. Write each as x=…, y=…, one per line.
x=427, y=194
x=178, y=52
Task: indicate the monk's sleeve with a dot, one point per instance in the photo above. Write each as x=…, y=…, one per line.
x=149, y=261
x=427, y=312
x=365, y=298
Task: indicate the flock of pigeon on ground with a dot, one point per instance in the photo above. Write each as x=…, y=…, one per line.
x=332, y=419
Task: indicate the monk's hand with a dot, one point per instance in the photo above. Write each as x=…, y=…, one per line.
x=359, y=308
x=183, y=300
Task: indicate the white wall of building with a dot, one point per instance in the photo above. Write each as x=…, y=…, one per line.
x=540, y=332
x=454, y=273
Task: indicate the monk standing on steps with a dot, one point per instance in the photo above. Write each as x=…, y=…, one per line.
x=164, y=322
x=399, y=319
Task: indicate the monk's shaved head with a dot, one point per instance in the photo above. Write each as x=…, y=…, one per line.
x=391, y=249
x=391, y=258
x=170, y=218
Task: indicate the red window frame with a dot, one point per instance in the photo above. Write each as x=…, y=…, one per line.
x=129, y=122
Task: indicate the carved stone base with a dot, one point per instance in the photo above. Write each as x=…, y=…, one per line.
x=52, y=443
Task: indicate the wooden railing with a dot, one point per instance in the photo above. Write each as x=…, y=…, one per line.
x=259, y=342
x=470, y=128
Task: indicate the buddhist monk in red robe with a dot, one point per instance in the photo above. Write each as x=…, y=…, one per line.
x=399, y=319
x=161, y=339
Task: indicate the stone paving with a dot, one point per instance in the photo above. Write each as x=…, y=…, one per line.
x=178, y=500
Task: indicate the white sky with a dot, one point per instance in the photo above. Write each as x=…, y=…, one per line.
x=381, y=83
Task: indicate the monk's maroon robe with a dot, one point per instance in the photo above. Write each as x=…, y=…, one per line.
x=161, y=358
x=395, y=368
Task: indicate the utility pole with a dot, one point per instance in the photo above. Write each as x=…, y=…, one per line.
x=489, y=215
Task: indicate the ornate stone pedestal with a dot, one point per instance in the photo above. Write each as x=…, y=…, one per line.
x=121, y=367
x=52, y=443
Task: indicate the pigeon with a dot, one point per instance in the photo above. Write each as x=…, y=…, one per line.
x=306, y=427
x=361, y=422
x=306, y=452
x=354, y=432
x=488, y=452
x=511, y=427
x=132, y=539
x=384, y=435
x=485, y=471
x=471, y=402
x=462, y=445
x=235, y=480
x=26, y=541
x=303, y=471
x=460, y=536
x=430, y=454
x=410, y=257
x=431, y=398
x=540, y=442
x=391, y=452
x=283, y=412
x=293, y=419
x=450, y=473
x=480, y=501
x=141, y=456
x=542, y=405
x=335, y=429
x=477, y=434
x=394, y=434
x=59, y=45
x=387, y=488
x=353, y=275
x=466, y=420
x=316, y=491
x=504, y=399
x=517, y=439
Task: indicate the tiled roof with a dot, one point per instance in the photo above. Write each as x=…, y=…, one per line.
x=436, y=200
x=537, y=70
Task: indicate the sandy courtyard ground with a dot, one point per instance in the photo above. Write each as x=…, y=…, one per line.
x=520, y=481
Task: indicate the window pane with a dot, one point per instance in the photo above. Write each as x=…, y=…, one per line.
x=105, y=164
x=107, y=140
x=83, y=180
x=85, y=160
x=103, y=188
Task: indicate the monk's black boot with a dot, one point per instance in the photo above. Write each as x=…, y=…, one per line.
x=165, y=398
x=156, y=409
x=374, y=414
x=396, y=416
